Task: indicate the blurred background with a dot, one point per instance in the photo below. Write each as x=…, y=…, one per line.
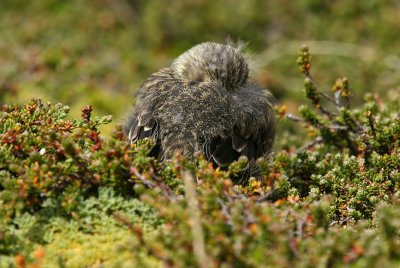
x=97, y=52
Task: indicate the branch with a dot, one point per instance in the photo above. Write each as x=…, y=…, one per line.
x=203, y=260
x=166, y=191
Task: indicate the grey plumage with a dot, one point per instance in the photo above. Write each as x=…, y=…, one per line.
x=205, y=102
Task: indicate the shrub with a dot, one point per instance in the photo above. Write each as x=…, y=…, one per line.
x=65, y=190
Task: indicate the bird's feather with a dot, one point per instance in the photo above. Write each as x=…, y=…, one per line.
x=140, y=131
x=205, y=101
x=238, y=142
x=224, y=154
x=133, y=131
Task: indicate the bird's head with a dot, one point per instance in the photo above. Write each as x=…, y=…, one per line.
x=212, y=62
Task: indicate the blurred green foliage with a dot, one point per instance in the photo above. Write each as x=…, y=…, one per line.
x=98, y=52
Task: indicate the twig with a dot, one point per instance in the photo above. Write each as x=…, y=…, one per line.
x=316, y=141
x=294, y=118
x=319, y=107
x=337, y=99
x=337, y=127
x=166, y=191
x=225, y=211
x=145, y=181
x=265, y=197
x=203, y=260
x=327, y=112
x=329, y=98
x=299, y=119
x=353, y=147
x=347, y=98
x=293, y=245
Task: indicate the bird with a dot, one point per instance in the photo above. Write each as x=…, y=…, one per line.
x=205, y=101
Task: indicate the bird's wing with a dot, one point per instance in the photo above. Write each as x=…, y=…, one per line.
x=142, y=123
x=224, y=151
x=253, y=128
x=142, y=126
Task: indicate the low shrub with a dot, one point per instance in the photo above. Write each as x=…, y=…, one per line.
x=72, y=198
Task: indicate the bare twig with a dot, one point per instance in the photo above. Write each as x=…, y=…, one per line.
x=337, y=99
x=316, y=141
x=225, y=211
x=294, y=118
x=330, y=99
x=166, y=191
x=330, y=114
x=145, y=181
x=203, y=260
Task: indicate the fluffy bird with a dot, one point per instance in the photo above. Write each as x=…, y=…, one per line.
x=205, y=101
